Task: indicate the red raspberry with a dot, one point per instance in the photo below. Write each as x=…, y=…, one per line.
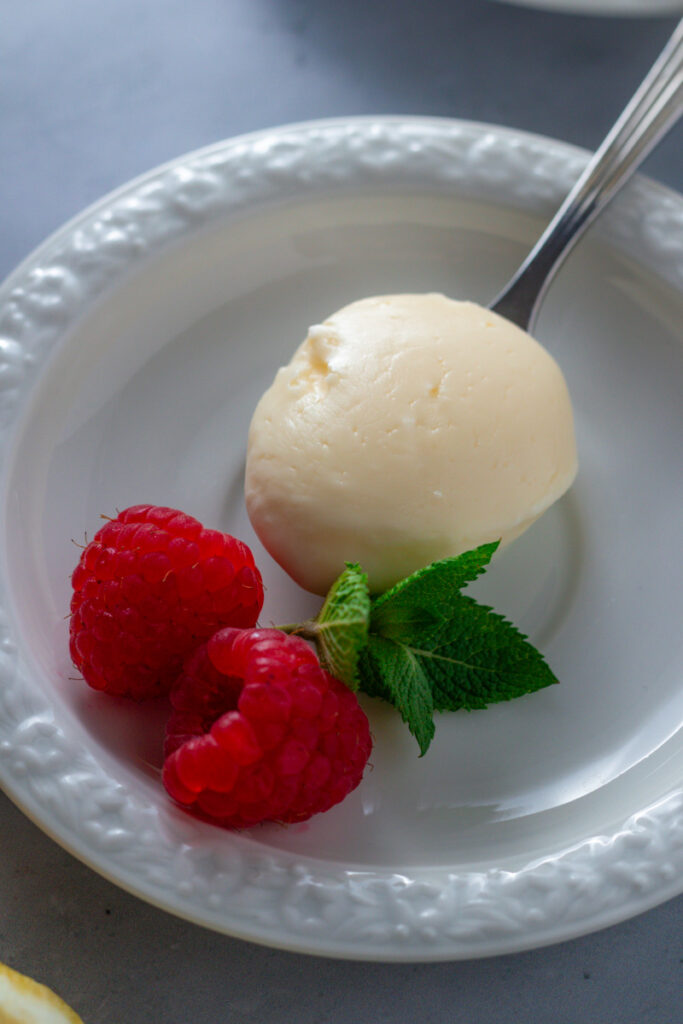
x=151, y=586
x=259, y=732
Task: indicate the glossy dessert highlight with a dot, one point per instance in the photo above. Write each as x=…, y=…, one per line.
x=406, y=428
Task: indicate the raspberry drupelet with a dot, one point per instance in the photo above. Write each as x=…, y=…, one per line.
x=151, y=586
x=260, y=732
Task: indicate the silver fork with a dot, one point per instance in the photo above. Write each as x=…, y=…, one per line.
x=655, y=107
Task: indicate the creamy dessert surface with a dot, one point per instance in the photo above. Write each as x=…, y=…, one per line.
x=406, y=428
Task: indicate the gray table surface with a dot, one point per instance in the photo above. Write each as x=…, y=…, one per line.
x=94, y=93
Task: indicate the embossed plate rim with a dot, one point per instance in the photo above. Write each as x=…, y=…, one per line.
x=156, y=852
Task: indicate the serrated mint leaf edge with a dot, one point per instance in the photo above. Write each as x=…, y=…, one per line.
x=467, y=567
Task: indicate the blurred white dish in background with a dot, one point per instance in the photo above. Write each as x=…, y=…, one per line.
x=641, y=8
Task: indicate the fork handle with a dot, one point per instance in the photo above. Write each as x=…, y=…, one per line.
x=655, y=107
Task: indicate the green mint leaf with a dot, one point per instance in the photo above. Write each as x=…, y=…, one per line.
x=340, y=631
x=430, y=648
x=475, y=658
x=391, y=671
x=422, y=600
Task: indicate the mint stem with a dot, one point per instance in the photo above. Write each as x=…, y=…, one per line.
x=308, y=629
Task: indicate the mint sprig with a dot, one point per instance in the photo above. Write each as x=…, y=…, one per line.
x=423, y=645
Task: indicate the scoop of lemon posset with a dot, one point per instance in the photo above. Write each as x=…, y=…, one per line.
x=405, y=429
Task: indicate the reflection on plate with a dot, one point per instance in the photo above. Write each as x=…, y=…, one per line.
x=135, y=343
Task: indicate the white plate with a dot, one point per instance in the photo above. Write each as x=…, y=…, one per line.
x=643, y=8
x=135, y=343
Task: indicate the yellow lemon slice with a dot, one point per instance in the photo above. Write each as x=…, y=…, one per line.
x=24, y=1001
